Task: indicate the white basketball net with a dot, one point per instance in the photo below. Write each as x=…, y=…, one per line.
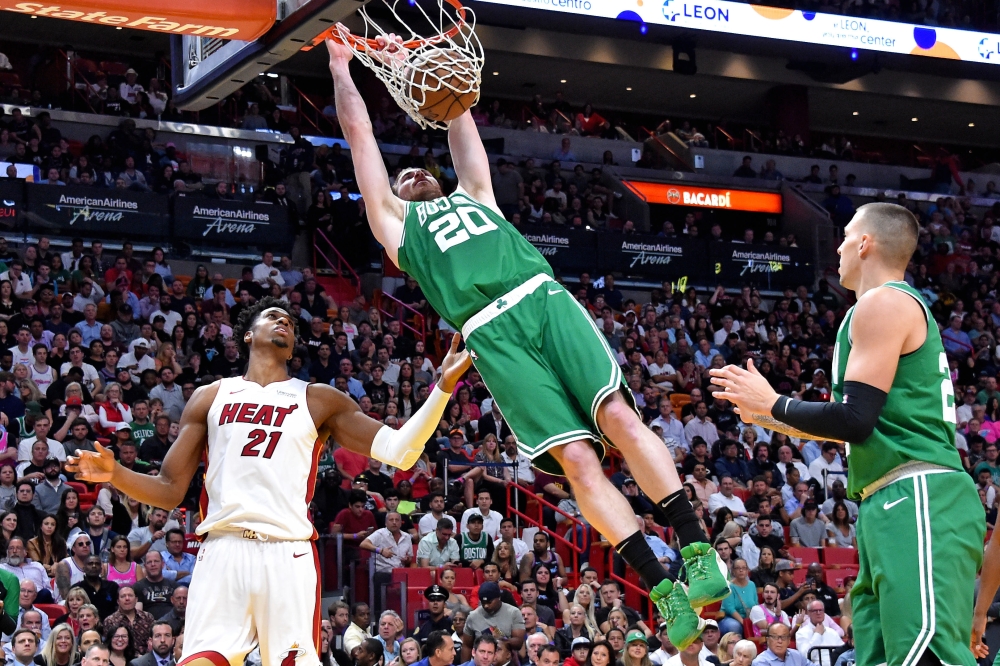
x=411, y=76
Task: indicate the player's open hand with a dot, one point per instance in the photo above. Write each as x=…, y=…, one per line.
x=390, y=49
x=92, y=467
x=454, y=365
x=747, y=389
x=979, y=648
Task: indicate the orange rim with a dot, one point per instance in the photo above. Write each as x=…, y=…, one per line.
x=360, y=43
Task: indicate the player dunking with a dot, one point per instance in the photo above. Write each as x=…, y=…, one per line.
x=256, y=580
x=920, y=524
x=539, y=353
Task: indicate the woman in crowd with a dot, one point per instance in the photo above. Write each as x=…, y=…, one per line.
x=458, y=618
x=76, y=599
x=636, y=650
x=406, y=401
x=548, y=595
x=840, y=530
x=409, y=652
x=60, y=647
x=456, y=601
x=167, y=356
x=469, y=408
x=764, y=573
x=121, y=645
x=8, y=525
x=6, y=339
x=737, y=605
x=454, y=419
x=30, y=391
x=601, y=654
x=723, y=516
x=491, y=475
x=75, y=390
x=121, y=568
x=503, y=557
x=59, y=275
x=575, y=628
x=88, y=618
x=127, y=514
x=584, y=597
x=617, y=619
x=8, y=475
x=47, y=548
x=320, y=215
x=699, y=511
x=744, y=652
x=199, y=287
x=9, y=304
x=84, y=272
x=68, y=515
x=113, y=411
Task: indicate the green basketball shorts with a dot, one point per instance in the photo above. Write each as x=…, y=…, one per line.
x=547, y=365
x=920, y=543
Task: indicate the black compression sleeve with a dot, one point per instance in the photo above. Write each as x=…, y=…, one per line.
x=852, y=420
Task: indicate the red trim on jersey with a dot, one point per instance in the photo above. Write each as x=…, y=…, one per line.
x=216, y=658
x=203, y=498
x=318, y=613
x=311, y=490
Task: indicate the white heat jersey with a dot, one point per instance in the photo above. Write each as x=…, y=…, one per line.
x=262, y=455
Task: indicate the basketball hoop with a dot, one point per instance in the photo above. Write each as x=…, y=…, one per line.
x=445, y=65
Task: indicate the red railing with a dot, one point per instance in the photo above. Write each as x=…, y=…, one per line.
x=324, y=247
x=725, y=135
x=71, y=79
x=655, y=137
x=417, y=321
x=323, y=125
x=575, y=550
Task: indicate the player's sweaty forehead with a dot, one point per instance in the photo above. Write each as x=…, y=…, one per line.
x=407, y=174
x=276, y=311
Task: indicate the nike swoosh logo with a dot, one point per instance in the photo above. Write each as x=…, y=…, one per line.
x=556, y=291
x=889, y=505
x=299, y=554
x=232, y=392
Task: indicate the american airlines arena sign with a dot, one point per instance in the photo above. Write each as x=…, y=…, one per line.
x=790, y=24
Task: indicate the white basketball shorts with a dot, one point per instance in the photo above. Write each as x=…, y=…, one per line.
x=247, y=590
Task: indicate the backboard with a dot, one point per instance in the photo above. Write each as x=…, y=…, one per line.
x=207, y=69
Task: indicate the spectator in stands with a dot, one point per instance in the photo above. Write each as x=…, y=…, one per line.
x=725, y=496
x=840, y=206
x=778, y=652
x=745, y=170
x=437, y=620
x=181, y=564
x=437, y=548
x=129, y=88
x=357, y=632
x=807, y=530
x=138, y=622
x=768, y=611
x=253, y=120
x=493, y=617
x=819, y=630
x=508, y=187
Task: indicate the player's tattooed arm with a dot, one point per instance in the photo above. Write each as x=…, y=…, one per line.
x=768, y=422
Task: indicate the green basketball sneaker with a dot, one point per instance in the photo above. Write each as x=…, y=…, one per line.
x=683, y=623
x=707, y=574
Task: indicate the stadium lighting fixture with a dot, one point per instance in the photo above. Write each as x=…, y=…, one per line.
x=692, y=95
x=855, y=113
x=562, y=80
x=913, y=119
x=972, y=124
x=496, y=73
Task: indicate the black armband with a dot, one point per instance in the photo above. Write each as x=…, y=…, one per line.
x=851, y=420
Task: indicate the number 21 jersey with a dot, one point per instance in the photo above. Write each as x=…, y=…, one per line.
x=262, y=456
x=918, y=420
x=464, y=254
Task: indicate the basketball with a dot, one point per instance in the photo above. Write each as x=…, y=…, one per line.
x=444, y=84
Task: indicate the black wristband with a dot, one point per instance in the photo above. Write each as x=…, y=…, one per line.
x=851, y=420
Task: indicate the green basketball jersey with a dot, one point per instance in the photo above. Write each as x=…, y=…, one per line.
x=474, y=550
x=918, y=420
x=464, y=254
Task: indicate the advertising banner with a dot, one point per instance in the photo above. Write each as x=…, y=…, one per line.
x=793, y=25
x=11, y=203
x=565, y=249
x=218, y=222
x=653, y=256
x=760, y=265
x=706, y=197
x=73, y=209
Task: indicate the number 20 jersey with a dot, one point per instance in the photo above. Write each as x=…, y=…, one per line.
x=918, y=420
x=464, y=254
x=262, y=456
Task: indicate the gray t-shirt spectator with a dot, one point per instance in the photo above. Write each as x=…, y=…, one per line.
x=507, y=619
x=809, y=536
x=505, y=187
x=141, y=535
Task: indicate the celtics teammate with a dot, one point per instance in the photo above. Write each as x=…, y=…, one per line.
x=539, y=353
x=920, y=524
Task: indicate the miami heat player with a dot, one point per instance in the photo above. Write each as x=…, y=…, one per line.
x=257, y=578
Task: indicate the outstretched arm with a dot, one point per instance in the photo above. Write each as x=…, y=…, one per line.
x=167, y=489
x=471, y=164
x=385, y=210
x=988, y=584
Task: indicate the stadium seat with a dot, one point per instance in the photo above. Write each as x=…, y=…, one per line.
x=54, y=611
x=799, y=576
x=80, y=488
x=840, y=557
x=230, y=284
x=464, y=577
x=748, y=628
x=419, y=578
x=835, y=577
x=804, y=556
x=742, y=493
x=680, y=399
